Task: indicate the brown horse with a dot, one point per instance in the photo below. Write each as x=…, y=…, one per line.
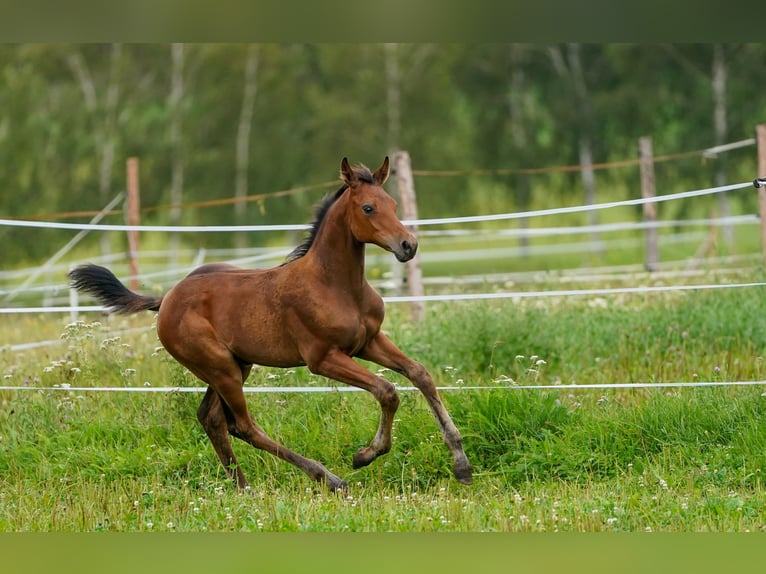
x=316, y=309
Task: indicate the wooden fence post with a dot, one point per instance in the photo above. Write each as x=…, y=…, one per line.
x=74, y=303
x=646, y=156
x=406, y=187
x=133, y=218
x=760, y=134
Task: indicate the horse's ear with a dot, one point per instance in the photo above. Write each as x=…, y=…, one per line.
x=381, y=174
x=346, y=173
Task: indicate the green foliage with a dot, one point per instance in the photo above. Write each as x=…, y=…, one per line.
x=493, y=106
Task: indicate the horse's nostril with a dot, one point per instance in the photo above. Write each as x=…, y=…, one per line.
x=406, y=246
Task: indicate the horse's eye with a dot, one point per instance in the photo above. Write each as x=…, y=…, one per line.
x=367, y=208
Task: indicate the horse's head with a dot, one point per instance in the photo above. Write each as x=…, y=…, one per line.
x=372, y=212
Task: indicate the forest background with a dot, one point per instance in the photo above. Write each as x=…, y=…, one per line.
x=239, y=122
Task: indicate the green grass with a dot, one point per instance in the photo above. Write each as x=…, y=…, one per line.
x=563, y=459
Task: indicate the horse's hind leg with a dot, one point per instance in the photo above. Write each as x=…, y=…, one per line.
x=214, y=364
x=212, y=416
x=383, y=351
x=243, y=427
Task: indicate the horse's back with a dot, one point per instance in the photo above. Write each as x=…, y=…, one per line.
x=213, y=268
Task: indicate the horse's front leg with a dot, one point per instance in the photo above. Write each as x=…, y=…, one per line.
x=383, y=351
x=339, y=366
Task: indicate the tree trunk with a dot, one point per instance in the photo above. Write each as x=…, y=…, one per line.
x=177, y=183
x=109, y=139
x=718, y=84
x=393, y=96
x=516, y=95
x=243, y=141
x=104, y=132
x=585, y=141
x=393, y=128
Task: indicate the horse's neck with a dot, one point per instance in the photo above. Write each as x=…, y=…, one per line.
x=336, y=255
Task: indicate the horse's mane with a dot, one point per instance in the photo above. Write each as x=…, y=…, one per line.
x=363, y=173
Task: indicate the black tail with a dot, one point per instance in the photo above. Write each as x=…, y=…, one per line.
x=104, y=286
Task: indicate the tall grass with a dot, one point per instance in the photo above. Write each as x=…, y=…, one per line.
x=554, y=460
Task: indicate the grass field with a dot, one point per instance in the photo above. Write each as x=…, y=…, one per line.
x=563, y=459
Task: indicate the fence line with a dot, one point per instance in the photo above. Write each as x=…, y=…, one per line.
x=746, y=219
x=711, y=152
x=203, y=203
x=504, y=216
x=707, y=153
x=456, y=296
x=349, y=389
x=268, y=253
x=427, y=256
x=581, y=208
x=418, y=222
x=565, y=292
x=580, y=274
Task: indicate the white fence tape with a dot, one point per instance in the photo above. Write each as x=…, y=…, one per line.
x=580, y=208
x=332, y=389
x=419, y=222
x=563, y=293
x=459, y=296
x=445, y=297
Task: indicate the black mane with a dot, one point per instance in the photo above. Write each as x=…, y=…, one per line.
x=363, y=174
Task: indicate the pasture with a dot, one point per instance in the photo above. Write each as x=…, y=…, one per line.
x=545, y=459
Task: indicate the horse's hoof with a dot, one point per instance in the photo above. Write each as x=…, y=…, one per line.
x=464, y=474
x=336, y=484
x=362, y=457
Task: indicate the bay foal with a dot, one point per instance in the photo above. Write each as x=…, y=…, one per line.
x=316, y=309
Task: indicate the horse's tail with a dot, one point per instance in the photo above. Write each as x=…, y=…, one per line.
x=103, y=285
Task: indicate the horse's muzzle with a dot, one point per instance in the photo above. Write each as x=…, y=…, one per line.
x=406, y=249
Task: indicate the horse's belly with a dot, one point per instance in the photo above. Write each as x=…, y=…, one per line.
x=264, y=343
